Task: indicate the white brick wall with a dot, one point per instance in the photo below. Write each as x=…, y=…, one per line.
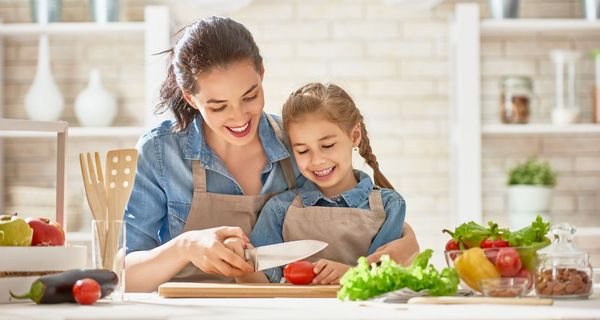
x=394, y=62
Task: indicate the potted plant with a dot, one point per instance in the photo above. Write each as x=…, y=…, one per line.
x=530, y=186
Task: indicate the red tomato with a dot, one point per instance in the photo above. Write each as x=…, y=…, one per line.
x=508, y=262
x=299, y=272
x=524, y=273
x=452, y=245
x=490, y=243
x=86, y=291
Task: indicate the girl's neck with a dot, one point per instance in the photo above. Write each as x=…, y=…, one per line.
x=348, y=182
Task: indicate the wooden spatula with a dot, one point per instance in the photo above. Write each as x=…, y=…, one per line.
x=120, y=176
x=93, y=182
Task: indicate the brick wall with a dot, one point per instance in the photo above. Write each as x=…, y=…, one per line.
x=394, y=63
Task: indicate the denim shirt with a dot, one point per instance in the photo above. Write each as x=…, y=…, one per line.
x=162, y=194
x=269, y=227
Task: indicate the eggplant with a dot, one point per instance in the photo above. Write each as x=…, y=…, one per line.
x=57, y=288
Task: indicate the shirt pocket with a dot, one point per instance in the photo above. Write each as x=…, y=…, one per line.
x=178, y=213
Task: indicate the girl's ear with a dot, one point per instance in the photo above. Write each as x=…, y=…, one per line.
x=356, y=135
x=190, y=99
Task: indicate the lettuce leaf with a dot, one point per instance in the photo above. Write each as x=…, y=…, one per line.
x=363, y=281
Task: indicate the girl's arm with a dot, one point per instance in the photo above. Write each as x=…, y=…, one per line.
x=402, y=250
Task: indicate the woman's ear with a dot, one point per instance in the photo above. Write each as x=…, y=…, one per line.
x=356, y=135
x=190, y=99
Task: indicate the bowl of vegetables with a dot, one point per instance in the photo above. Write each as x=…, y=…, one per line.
x=479, y=253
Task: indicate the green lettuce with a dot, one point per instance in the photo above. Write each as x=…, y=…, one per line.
x=366, y=281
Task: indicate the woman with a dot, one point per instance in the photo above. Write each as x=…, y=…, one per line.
x=205, y=177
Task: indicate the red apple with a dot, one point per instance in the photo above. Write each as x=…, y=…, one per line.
x=46, y=232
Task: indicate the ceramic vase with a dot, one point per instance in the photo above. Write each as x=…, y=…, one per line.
x=43, y=101
x=94, y=106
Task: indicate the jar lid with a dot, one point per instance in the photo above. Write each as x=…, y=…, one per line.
x=562, y=246
x=517, y=81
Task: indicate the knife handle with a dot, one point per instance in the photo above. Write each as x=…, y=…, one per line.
x=250, y=256
x=235, y=243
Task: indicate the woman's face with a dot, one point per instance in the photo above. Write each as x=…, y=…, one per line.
x=324, y=153
x=231, y=101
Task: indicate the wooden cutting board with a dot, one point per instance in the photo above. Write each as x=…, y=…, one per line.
x=248, y=290
x=480, y=300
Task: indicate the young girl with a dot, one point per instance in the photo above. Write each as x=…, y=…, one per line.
x=338, y=205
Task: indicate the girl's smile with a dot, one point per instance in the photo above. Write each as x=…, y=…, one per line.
x=324, y=174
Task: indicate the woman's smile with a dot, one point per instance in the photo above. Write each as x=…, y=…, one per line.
x=240, y=131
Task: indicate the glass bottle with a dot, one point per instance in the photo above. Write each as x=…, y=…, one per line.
x=564, y=270
x=515, y=99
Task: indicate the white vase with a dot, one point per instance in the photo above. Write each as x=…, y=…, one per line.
x=43, y=101
x=526, y=202
x=94, y=106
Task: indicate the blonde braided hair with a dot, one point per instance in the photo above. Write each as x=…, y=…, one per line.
x=336, y=106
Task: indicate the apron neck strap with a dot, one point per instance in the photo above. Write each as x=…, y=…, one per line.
x=199, y=175
x=297, y=202
x=286, y=165
x=376, y=203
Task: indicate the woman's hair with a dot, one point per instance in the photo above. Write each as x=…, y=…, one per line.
x=336, y=106
x=205, y=44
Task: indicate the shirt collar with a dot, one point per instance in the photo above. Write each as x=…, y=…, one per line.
x=311, y=194
x=196, y=147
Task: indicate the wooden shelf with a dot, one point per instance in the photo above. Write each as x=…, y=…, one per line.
x=81, y=132
x=540, y=129
x=510, y=27
x=71, y=28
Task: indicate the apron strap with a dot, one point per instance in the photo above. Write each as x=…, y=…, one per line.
x=286, y=164
x=199, y=175
x=376, y=202
x=297, y=202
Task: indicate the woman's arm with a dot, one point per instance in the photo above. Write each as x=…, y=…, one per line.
x=402, y=250
x=146, y=270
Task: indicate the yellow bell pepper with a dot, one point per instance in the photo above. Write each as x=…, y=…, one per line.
x=472, y=265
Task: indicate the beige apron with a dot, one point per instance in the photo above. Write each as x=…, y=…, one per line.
x=210, y=210
x=348, y=231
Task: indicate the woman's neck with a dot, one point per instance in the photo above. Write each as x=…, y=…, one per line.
x=226, y=150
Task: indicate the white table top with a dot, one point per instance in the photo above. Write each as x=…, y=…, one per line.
x=153, y=307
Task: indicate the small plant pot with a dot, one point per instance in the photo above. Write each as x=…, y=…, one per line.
x=526, y=202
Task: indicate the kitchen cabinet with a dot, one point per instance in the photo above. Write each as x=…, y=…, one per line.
x=467, y=127
x=156, y=32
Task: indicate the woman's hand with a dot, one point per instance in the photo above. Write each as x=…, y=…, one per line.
x=402, y=251
x=329, y=272
x=205, y=249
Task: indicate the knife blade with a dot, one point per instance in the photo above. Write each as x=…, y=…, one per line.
x=276, y=255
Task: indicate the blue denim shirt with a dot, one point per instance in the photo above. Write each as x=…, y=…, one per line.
x=163, y=189
x=269, y=227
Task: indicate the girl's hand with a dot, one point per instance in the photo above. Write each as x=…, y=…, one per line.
x=329, y=272
x=205, y=249
x=402, y=251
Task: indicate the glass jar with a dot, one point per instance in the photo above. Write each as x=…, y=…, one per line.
x=563, y=271
x=515, y=99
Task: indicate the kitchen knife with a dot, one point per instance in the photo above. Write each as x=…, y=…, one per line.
x=280, y=254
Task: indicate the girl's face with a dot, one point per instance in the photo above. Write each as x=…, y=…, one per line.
x=231, y=101
x=324, y=153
